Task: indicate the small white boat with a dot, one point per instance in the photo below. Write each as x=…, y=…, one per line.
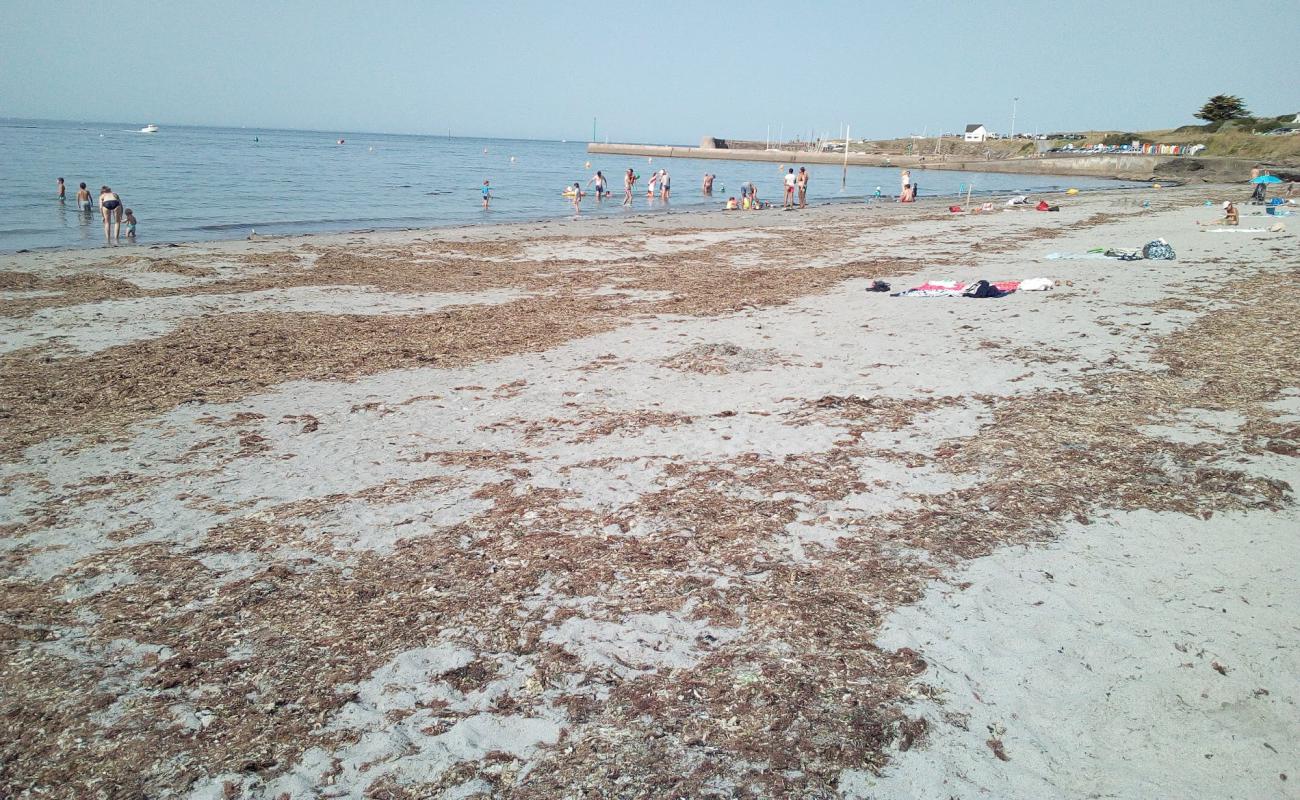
x=150, y=128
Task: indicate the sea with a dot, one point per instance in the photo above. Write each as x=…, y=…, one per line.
x=189, y=184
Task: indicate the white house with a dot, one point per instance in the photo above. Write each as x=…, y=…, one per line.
x=976, y=133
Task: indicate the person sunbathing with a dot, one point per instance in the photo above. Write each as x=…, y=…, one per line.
x=1230, y=214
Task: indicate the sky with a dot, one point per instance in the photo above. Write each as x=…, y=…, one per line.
x=668, y=71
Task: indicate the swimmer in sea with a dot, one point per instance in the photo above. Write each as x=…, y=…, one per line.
x=61, y=188
x=708, y=184
x=83, y=198
x=110, y=205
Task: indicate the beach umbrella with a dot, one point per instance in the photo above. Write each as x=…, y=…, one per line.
x=1266, y=179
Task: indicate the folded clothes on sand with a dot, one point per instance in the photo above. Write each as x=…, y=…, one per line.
x=955, y=288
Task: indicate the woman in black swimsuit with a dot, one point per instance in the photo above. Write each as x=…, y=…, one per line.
x=110, y=205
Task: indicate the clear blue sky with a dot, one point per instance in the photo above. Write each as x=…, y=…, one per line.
x=666, y=71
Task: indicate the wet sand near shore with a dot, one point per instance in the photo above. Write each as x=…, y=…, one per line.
x=664, y=506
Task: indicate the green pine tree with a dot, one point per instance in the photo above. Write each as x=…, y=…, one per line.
x=1223, y=107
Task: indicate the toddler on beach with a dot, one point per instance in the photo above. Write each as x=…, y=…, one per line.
x=130, y=223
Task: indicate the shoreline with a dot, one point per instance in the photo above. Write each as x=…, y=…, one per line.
x=926, y=201
x=670, y=505
x=1127, y=166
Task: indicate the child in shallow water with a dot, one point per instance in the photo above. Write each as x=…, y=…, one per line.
x=130, y=223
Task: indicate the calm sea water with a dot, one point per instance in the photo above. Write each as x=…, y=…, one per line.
x=194, y=184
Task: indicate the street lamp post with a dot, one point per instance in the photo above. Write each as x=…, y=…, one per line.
x=1014, y=102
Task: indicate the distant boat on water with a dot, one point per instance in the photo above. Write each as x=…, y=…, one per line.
x=150, y=128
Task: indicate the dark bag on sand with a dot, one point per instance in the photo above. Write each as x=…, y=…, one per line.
x=981, y=289
x=1158, y=250
x=878, y=286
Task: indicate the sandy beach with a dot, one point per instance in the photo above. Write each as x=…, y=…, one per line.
x=666, y=506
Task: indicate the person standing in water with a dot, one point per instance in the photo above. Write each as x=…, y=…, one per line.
x=577, y=198
x=83, y=198
x=599, y=180
x=487, y=194
x=61, y=188
x=801, y=181
x=708, y=184
x=110, y=205
x=653, y=185
x=629, y=180
x=665, y=185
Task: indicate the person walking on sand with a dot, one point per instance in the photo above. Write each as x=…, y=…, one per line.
x=61, y=187
x=487, y=194
x=665, y=185
x=801, y=181
x=110, y=205
x=789, y=188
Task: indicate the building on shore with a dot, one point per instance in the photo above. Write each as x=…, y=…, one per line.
x=976, y=133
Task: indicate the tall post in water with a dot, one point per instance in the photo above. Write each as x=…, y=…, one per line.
x=593, y=129
x=1014, y=102
x=844, y=176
